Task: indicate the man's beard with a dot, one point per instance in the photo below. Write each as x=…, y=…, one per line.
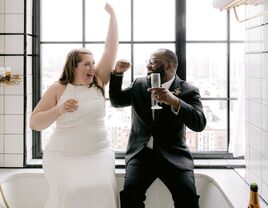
x=161, y=70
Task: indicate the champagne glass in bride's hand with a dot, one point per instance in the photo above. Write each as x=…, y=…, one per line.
x=155, y=82
x=74, y=96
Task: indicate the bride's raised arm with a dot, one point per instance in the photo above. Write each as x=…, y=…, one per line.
x=107, y=61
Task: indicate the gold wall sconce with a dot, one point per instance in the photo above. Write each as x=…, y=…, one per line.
x=7, y=78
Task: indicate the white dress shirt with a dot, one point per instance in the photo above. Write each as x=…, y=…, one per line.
x=167, y=86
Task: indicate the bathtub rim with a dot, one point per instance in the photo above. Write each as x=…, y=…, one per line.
x=228, y=181
x=215, y=183
x=19, y=175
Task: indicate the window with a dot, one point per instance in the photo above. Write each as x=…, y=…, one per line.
x=145, y=25
x=214, y=57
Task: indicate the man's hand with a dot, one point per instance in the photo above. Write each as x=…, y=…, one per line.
x=121, y=66
x=162, y=94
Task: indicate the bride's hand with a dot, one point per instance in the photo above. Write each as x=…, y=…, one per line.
x=69, y=105
x=109, y=9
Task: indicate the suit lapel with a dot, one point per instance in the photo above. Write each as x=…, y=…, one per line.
x=175, y=86
x=149, y=98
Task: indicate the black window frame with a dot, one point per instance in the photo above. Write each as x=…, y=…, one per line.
x=180, y=48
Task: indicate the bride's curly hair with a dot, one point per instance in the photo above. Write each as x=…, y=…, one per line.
x=72, y=60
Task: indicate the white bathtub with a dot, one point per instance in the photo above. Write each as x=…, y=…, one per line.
x=29, y=190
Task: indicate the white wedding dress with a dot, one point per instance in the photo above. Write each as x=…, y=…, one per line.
x=78, y=161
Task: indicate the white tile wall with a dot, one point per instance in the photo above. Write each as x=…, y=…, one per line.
x=2, y=104
x=2, y=164
x=2, y=6
x=255, y=166
x=12, y=97
x=2, y=23
x=255, y=36
x=2, y=90
x=2, y=143
x=14, y=105
x=247, y=134
x=265, y=169
x=255, y=91
x=13, y=160
x=14, y=6
x=265, y=109
x=265, y=118
x=247, y=161
x=2, y=124
x=265, y=40
x=14, y=144
x=14, y=44
x=13, y=124
x=265, y=92
x=255, y=113
x=2, y=43
x=16, y=64
x=255, y=138
x=257, y=105
x=14, y=89
x=14, y=23
x=265, y=191
x=255, y=64
x=265, y=65
x=247, y=108
x=265, y=147
x=2, y=61
x=265, y=18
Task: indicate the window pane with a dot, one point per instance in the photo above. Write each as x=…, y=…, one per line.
x=206, y=63
x=118, y=121
x=97, y=30
x=237, y=70
x=206, y=68
x=204, y=22
x=61, y=20
x=214, y=137
x=124, y=52
x=238, y=125
x=142, y=52
x=96, y=21
x=154, y=20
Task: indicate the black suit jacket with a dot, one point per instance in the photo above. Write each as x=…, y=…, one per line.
x=167, y=129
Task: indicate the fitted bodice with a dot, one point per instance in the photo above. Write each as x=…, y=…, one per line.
x=91, y=109
x=84, y=129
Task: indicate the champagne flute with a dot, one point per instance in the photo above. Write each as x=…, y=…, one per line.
x=74, y=95
x=155, y=82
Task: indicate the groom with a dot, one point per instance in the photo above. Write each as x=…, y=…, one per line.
x=157, y=146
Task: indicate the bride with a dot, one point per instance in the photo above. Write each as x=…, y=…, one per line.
x=78, y=161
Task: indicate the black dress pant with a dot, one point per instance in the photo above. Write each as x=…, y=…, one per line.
x=148, y=165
